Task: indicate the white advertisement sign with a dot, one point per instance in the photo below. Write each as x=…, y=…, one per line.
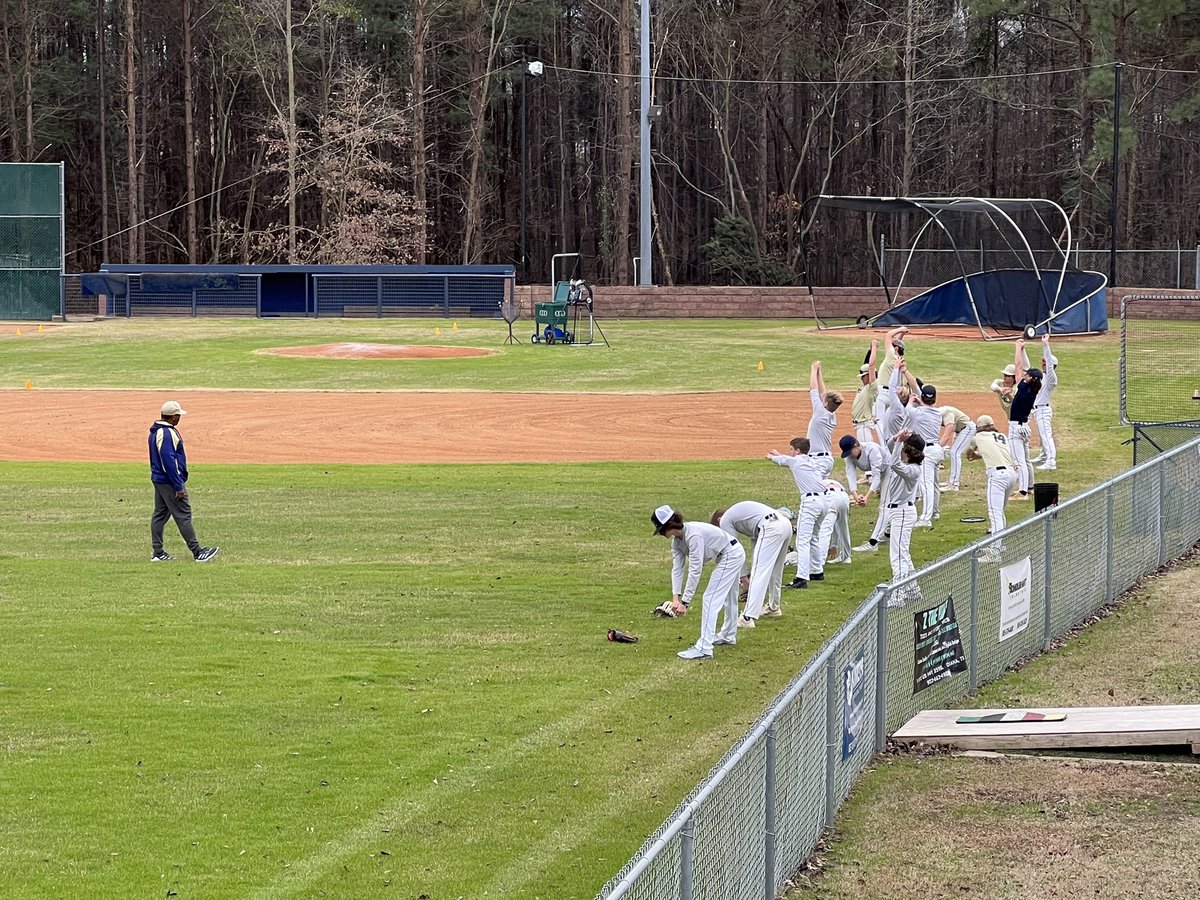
x=1014, y=598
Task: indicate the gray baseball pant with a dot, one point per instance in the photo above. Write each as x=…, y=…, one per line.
x=167, y=507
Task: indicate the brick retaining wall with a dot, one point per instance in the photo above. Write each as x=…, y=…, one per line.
x=682, y=301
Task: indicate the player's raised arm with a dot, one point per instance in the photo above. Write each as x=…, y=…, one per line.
x=1020, y=359
x=816, y=382
x=871, y=361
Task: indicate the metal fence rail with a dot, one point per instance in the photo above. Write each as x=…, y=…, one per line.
x=760, y=812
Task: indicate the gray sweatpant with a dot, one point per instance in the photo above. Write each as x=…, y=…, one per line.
x=167, y=507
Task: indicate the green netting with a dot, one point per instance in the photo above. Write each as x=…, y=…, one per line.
x=29, y=294
x=30, y=189
x=30, y=243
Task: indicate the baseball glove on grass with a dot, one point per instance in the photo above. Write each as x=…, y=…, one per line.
x=665, y=610
x=621, y=637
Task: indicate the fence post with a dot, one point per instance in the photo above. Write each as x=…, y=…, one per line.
x=686, y=859
x=446, y=294
x=1109, y=573
x=379, y=297
x=1198, y=267
x=1178, y=264
x=258, y=297
x=1046, y=592
x=881, y=639
x=973, y=663
x=831, y=695
x=1162, y=514
x=883, y=262
x=769, y=818
x=193, y=303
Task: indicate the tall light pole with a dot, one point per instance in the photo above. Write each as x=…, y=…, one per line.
x=1115, y=205
x=646, y=263
x=532, y=70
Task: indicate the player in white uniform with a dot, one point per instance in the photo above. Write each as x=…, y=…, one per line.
x=862, y=410
x=769, y=532
x=1043, y=412
x=692, y=545
x=992, y=447
x=925, y=420
x=1019, y=410
x=904, y=460
x=835, y=527
x=957, y=431
x=809, y=475
x=867, y=458
x=824, y=419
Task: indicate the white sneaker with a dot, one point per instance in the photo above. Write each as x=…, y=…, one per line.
x=745, y=622
x=724, y=642
x=867, y=547
x=1047, y=467
x=923, y=525
x=772, y=612
x=947, y=486
x=693, y=653
x=843, y=560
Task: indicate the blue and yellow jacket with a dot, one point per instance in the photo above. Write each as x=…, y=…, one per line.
x=168, y=461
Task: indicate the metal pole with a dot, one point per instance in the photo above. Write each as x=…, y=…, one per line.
x=1109, y=586
x=645, y=275
x=686, y=859
x=973, y=662
x=1198, y=267
x=831, y=741
x=524, y=259
x=881, y=639
x=769, y=819
x=1047, y=590
x=379, y=297
x=1162, y=514
x=1116, y=172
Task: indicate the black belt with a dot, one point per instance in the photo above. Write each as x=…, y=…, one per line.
x=1041, y=406
x=820, y=454
x=896, y=505
x=822, y=494
x=998, y=468
x=769, y=517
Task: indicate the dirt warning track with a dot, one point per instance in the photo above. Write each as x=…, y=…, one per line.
x=414, y=427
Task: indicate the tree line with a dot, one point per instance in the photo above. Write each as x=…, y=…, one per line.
x=321, y=131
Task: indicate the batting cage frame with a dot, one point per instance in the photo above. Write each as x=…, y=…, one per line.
x=1159, y=379
x=33, y=238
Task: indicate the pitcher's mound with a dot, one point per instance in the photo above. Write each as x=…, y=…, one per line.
x=356, y=350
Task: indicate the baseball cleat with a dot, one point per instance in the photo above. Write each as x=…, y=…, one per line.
x=162, y=556
x=922, y=525
x=868, y=547
x=693, y=653
x=1047, y=467
x=745, y=622
x=724, y=642
x=207, y=553
x=773, y=612
x=797, y=583
x=817, y=576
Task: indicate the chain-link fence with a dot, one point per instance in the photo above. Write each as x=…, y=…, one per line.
x=917, y=644
x=31, y=240
x=1178, y=268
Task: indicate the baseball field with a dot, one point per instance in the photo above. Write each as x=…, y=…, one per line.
x=394, y=678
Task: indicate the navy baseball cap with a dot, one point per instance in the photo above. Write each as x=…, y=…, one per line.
x=928, y=393
x=847, y=443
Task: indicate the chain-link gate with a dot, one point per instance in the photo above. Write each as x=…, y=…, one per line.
x=32, y=222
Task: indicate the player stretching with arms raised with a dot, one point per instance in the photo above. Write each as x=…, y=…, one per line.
x=1043, y=413
x=992, y=447
x=823, y=421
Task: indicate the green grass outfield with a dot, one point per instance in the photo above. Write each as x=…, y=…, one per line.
x=394, y=681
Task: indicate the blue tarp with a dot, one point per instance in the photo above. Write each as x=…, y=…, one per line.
x=1010, y=299
x=102, y=283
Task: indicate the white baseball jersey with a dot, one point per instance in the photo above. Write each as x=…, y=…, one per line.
x=902, y=486
x=820, y=426
x=925, y=421
x=1049, y=379
x=744, y=517
x=807, y=472
x=870, y=462
x=700, y=543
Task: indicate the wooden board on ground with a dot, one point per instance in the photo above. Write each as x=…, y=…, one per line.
x=1102, y=726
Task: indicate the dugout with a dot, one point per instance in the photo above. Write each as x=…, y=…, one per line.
x=315, y=291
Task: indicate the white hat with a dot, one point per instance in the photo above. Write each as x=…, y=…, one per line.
x=660, y=517
x=983, y=421
x=1053, y=360
x=172, y=408
x=1010, y=369
x=864, y=369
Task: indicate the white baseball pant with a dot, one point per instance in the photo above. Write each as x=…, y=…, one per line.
x=901, y=519
x=881, y=520
x=721, y=595
x=813, y=508
x=766, y=563
x=930, y=493
x=1043, y=415
x=865, y=431
x=957, y=449
x=1000, y=484
x=835, y=524
x=825, y=461
x=1018, y=446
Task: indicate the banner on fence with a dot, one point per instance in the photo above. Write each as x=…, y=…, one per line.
x=1014, y=598
x=937, y=646
x=854, y=703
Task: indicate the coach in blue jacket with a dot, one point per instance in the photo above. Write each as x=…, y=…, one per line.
x=169, y=474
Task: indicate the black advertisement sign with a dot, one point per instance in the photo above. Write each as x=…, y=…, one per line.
x=937, y=646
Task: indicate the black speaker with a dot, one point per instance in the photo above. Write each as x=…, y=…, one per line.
x=1045, y=494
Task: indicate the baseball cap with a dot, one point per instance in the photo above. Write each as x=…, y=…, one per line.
x=984, y=420
x=786, y=512
x=864, y=369
x=660, y=517
x=172, y=408
x=1010, y=369
x=928, y=393
x=1034, y=372
x=1053, y=360
x=899, y=345
x=847, y=443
